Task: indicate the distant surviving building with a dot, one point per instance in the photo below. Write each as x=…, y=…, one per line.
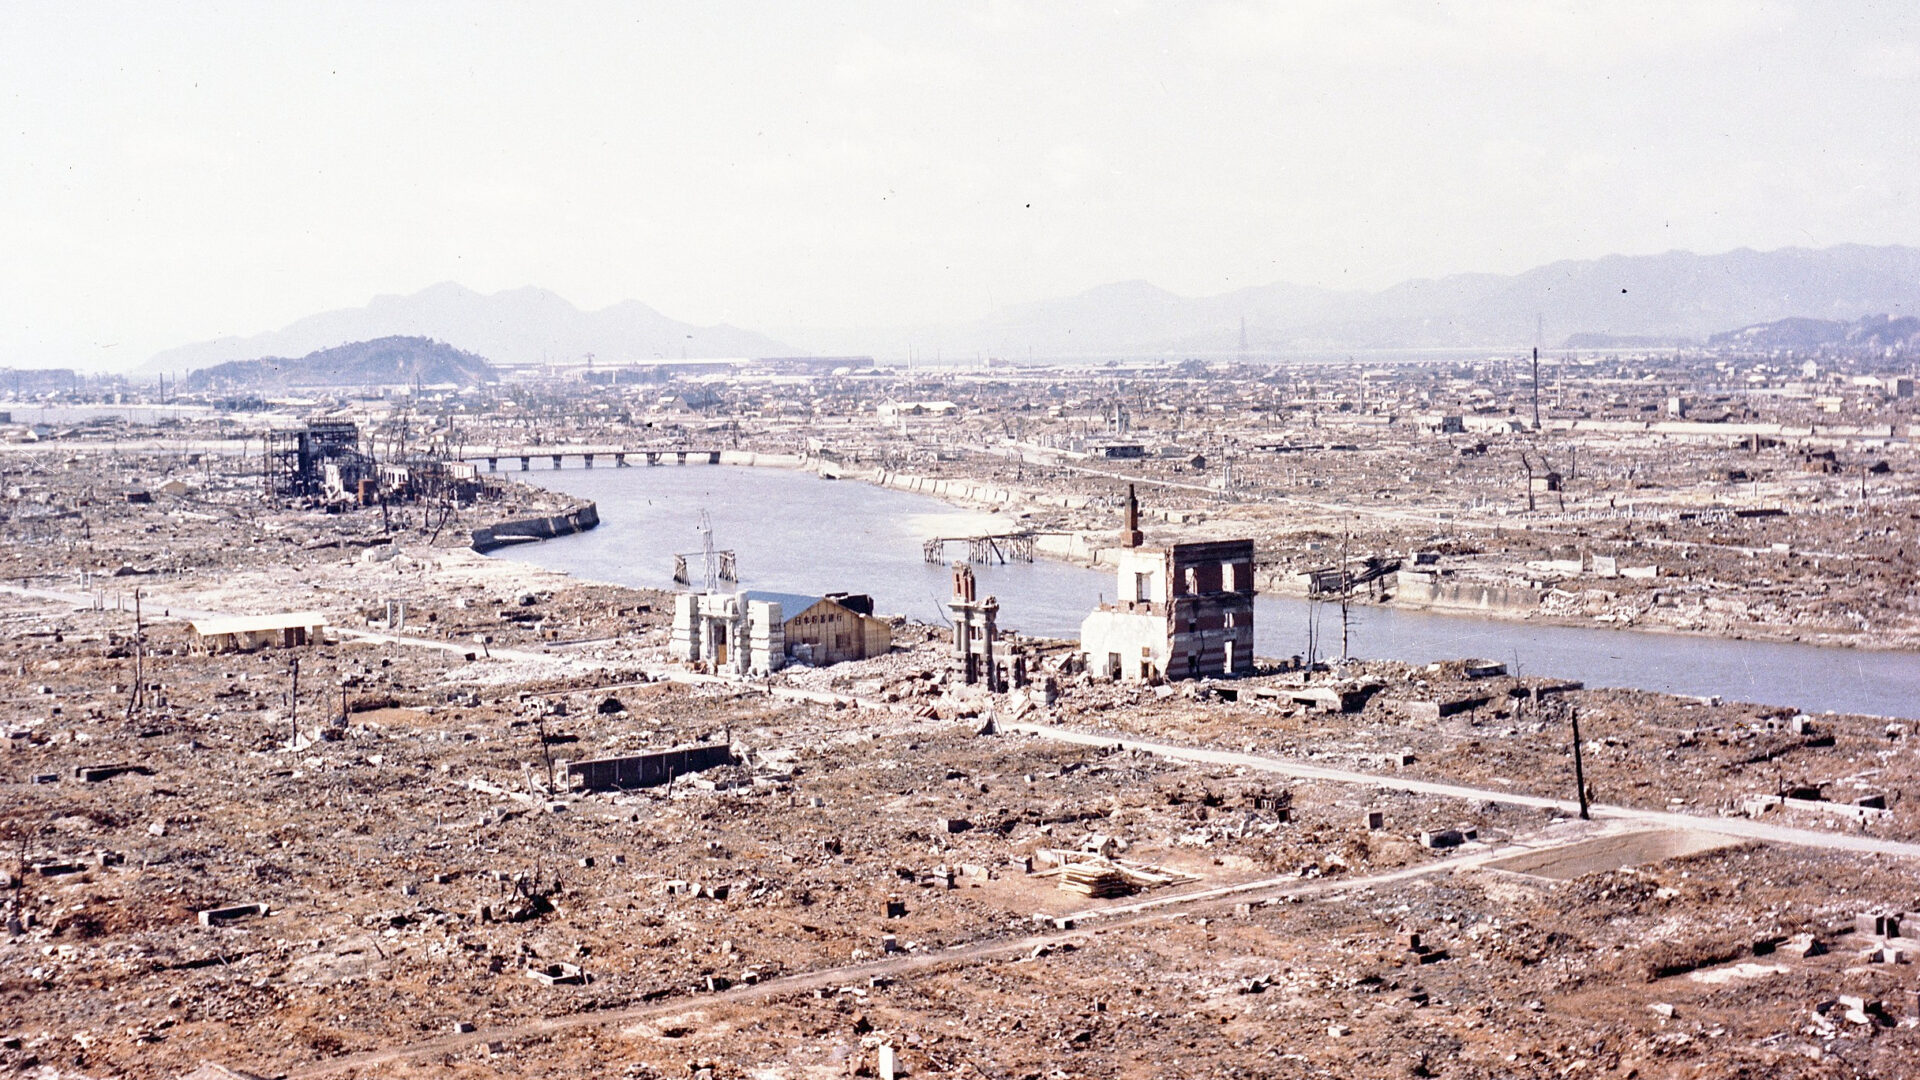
x=895, y=410
x=1183, y=612
x=753, y=633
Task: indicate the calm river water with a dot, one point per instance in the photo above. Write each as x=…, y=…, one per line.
x=794, y=532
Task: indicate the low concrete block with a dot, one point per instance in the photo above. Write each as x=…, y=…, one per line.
x=221, y=916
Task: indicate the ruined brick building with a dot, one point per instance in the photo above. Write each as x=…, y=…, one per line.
x=1181, y=612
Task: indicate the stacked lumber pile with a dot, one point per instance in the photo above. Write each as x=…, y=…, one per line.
x=1099, y=880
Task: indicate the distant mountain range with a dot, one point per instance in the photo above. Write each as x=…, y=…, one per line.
x=387, y=361
x=1619, y=299
x=1652, y=298
x=519, y=326
x=1874, y=332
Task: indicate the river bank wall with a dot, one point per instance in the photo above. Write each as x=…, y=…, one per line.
x=528, y=530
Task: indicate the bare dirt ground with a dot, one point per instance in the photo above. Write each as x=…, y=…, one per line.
x=866, y=875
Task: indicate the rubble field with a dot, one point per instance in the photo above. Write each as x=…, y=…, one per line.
x=371, y=862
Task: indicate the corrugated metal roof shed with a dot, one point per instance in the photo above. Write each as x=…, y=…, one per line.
x=255, y=624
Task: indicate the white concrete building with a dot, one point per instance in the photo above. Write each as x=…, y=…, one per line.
x=729, y=632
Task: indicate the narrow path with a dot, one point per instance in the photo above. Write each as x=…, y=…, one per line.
x=1744, y=828
x=975, y=952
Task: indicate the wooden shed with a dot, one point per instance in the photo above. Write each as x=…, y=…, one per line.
x=823, y=630
x=246, y=633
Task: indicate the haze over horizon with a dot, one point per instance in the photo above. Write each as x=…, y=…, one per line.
x=178, y=173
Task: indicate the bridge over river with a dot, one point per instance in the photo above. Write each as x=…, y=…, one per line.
x=619, y=456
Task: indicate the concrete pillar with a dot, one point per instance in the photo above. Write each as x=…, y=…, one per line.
x=619, y=461
x=587, y=460
x=493, y=464
x=526, y=463
x=685, y=642
x=556, y=461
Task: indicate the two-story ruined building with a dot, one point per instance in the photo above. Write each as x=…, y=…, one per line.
x=1182, y=612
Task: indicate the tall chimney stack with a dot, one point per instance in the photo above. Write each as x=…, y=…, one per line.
x=1130, y=535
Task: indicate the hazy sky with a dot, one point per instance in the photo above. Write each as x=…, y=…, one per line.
x=172, y=173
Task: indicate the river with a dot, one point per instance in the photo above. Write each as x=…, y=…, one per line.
x=794, y=532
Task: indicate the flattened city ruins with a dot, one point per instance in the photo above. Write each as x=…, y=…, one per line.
x=302, y=784
x=1245, y=540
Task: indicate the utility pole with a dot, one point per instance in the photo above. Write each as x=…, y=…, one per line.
x=1313, y=627
x=293, y=702
x=546, y=750
x=138, y=698
x=1579, y=771
x=1346, y=596
x=1536, y=388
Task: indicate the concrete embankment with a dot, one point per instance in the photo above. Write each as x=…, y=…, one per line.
x=1418, y=592
x=527, y=530
x=1486, y=598
x=749, y=457
x=1078, y=548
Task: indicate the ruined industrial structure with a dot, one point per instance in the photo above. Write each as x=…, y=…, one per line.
x=1181, y=612
x=330, y=462
x=642, y=770
x=322, y=461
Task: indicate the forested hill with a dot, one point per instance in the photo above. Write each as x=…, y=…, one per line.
x=383, y=361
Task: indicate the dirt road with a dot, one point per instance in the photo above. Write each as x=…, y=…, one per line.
x=1744, y=828
x=976, y=952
